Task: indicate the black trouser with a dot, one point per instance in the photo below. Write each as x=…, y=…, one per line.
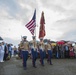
x=66, y=54
x=5, y=56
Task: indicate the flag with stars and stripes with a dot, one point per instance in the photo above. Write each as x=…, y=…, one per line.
x=32, y=24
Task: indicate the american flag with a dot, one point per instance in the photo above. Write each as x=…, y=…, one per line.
x=32, y=24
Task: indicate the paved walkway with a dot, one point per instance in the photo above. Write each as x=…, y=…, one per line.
x=59, y=67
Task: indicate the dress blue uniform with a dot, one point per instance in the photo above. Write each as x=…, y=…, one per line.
x=49, y=51
x=42, y=51
x=34, y=51
x=24, y=46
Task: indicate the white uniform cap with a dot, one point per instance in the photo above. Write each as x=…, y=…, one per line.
x=24, y=37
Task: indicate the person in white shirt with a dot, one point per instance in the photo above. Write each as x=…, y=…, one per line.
x=1, y=52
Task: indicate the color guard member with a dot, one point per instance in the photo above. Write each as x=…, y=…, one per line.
x=34, y=51
x=24, y=45
x=49, y=51
x=42, y=51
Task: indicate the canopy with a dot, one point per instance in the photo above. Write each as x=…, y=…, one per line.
x=70, y=42
x=60, y=42
x=1, y=38
x=53, y=44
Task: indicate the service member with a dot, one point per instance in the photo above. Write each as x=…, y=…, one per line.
x=34, y=51
x=24, y=45
x=42, y=51
x=49, y=51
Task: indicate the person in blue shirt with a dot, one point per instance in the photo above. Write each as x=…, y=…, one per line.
x=10, y=50
x=66, y=47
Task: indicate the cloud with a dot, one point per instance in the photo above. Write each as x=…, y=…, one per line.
x=63, y=7
x=11, y=6
x=12, y=41
x=18, y=9
x=70, y=35
x=60, y=18
x=67, y=27
x=66, y=4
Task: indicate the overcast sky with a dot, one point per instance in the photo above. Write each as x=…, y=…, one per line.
x=60, y=19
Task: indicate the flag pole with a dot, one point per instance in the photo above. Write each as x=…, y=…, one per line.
x=35, y=23
x=35, y=32
x=21, y=37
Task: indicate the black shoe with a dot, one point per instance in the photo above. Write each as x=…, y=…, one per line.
x=48, y=61
x=42, y=64
x=40, y=61
x=51, y=64
x=24, y=68
x=34, y=66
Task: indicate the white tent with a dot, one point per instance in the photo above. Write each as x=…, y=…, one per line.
x=1, y=40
